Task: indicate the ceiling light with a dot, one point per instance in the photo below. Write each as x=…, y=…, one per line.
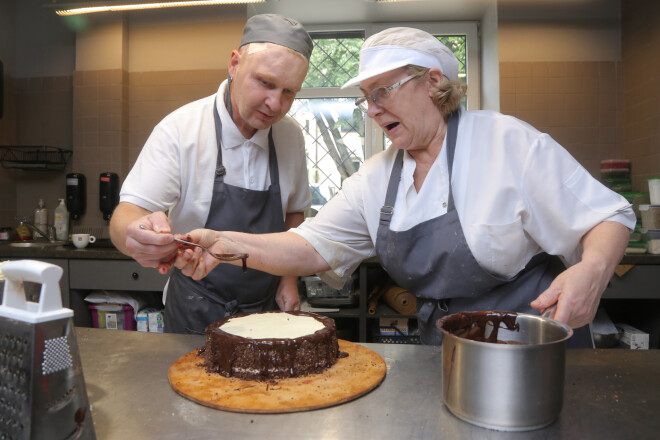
x=74, y=8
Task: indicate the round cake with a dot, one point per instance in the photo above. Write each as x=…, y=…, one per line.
x=270, y=345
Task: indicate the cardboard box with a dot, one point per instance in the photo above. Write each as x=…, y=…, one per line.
x=633, y=338
x=142, y=321
x=388, y=326
x=156, y=321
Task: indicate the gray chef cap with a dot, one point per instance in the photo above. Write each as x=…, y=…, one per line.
x=283, y=31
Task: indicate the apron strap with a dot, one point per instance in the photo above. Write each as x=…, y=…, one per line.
x=452, y=131
x=387, y=210
x=272, y=160
x=220, y=169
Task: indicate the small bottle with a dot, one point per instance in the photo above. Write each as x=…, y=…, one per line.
x=22, y=231
x=41, y=218
x=61, y=222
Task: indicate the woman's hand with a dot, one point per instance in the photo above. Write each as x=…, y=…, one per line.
x=578, y=289
x=197, y=263
x=576, y=292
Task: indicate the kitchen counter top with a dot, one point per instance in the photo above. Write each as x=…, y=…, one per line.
x=641, y=259
x=68, y=251
x=608, y=394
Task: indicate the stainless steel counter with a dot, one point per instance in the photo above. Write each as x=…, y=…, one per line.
x=611, y=394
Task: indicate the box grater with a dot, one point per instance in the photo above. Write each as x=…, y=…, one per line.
x=42, y=389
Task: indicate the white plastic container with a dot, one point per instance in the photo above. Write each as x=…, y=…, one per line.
x=652, y=239
x=61, y=222
x=41, y=218
x=650, y=216
x=654, y=190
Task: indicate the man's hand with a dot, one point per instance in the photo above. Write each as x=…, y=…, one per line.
x=287, y=297
x=149, y=248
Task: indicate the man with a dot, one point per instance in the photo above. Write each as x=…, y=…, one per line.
x=231, y=161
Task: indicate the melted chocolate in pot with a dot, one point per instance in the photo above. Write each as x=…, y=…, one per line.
x=473, y=325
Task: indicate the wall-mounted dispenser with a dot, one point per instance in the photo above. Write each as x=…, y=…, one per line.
x=76, y=194
x=108, y=193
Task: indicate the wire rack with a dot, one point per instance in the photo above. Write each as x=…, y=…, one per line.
x=34, y=157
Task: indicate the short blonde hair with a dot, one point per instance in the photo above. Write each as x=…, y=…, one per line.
x=447, y=95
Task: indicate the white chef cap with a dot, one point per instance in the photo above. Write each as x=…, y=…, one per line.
x=400, y=46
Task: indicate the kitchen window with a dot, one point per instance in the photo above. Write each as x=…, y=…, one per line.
x=338, y=136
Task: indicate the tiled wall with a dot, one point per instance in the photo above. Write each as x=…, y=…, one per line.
x=640, y=48
x=577, y=103
x=8, y=136
x=37, y=113
x=153, y=95
x=113, y=114
x=100, y=126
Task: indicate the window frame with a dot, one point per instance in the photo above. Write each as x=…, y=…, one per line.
x=374, y=142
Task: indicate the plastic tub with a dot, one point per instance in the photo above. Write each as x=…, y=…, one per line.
x=654, y=190
x=650, y=215
x=613, y=164
x=652, y=238
x=112, y=316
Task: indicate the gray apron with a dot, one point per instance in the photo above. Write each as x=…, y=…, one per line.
x=192, y=305
x=434, y=262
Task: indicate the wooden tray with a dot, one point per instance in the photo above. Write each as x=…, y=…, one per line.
x=350, y=378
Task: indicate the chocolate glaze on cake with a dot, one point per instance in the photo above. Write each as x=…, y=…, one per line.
x=263, y=359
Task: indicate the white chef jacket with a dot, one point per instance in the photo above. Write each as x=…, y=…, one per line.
x=176, y=167
x=517, y=193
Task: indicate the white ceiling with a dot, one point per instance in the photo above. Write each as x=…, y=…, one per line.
x=312, y=12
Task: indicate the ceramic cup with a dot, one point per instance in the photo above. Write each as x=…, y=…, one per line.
x=82, y=240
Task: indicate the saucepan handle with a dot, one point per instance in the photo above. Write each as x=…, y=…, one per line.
x=549, y=311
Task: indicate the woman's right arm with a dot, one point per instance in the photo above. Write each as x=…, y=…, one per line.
x=283, y=253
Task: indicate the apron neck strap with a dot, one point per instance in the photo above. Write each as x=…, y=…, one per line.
x=220, y=170
x=387, y=210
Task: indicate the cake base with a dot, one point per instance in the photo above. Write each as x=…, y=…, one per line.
x=351, y=377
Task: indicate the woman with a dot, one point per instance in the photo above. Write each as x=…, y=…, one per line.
x=463, y=210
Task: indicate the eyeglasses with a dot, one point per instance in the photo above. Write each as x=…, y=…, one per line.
x=379, y=95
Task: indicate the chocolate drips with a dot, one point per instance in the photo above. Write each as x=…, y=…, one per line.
x=473, y=325
x=271, y=358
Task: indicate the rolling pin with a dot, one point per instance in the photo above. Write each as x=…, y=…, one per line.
x=402, y=301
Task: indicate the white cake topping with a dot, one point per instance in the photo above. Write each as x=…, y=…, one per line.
x=271, y=326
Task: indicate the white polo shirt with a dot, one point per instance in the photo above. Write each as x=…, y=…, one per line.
x=176, y=167
x=517, y=193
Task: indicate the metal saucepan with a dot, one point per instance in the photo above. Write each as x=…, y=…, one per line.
x=503, y=370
